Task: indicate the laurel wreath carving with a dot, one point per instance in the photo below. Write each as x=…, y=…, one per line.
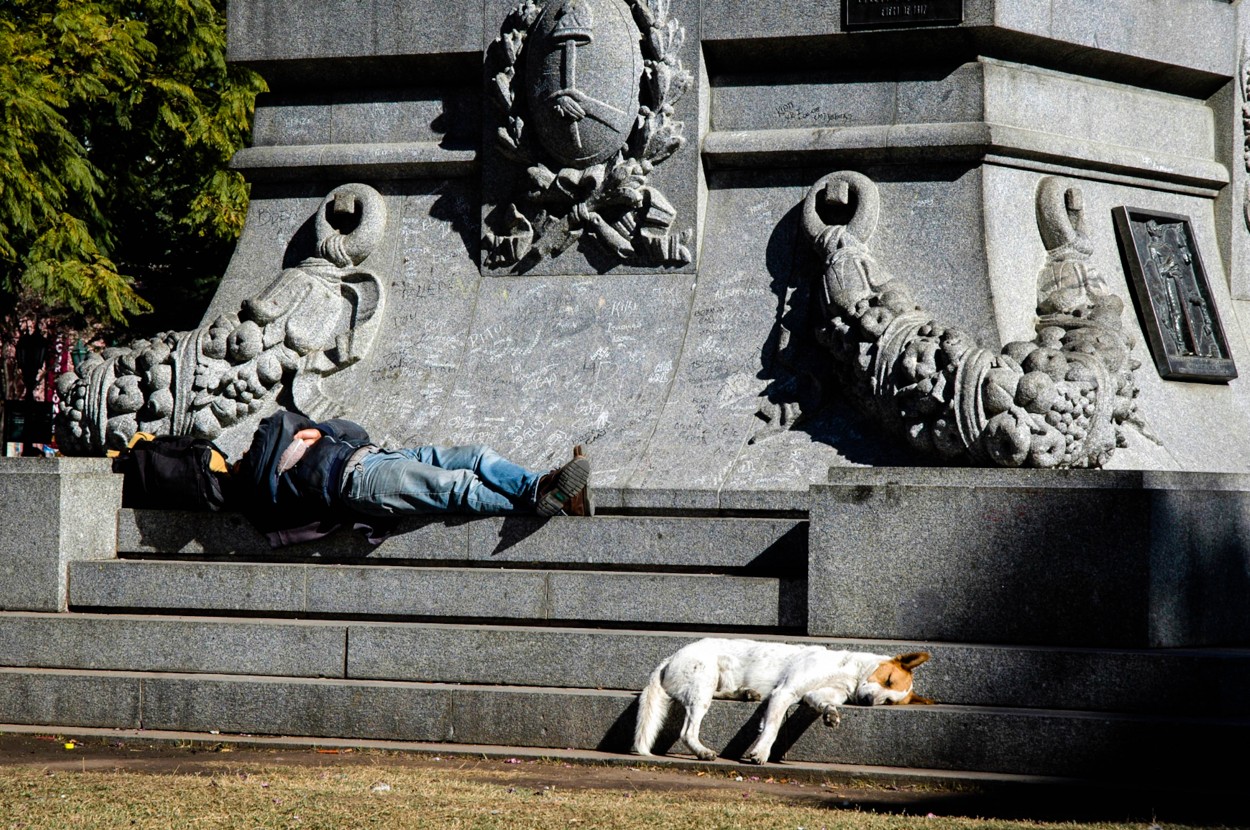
x=613, y=201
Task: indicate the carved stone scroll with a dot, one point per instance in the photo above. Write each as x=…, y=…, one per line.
x=588, y=118
x=312, y=321
x=1060, y=400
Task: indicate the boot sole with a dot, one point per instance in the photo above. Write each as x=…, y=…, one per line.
x=572, y=478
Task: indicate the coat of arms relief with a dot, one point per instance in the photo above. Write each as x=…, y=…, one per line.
x=584, y=94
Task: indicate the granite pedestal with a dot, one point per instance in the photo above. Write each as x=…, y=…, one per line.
x=1124, y=559
x=55, y=511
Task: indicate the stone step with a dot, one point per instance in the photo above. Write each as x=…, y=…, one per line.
x=1085, y=745
x=1139, y=682
x=637, y=598
x=777, y=546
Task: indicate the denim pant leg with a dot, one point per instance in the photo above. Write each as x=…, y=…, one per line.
x=404, y=482
x=497, y=472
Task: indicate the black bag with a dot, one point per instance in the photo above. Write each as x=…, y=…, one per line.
x=171, y=472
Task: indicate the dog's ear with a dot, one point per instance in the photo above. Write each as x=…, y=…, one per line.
x=914, y=699
x=913, y=659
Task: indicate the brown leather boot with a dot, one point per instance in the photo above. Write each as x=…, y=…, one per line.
x=583, y=502
x=558, y=487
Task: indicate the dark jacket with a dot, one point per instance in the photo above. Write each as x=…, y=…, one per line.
x=304, y=502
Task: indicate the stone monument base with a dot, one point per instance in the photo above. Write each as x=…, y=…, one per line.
x=1032, y=598
x=1107, y=559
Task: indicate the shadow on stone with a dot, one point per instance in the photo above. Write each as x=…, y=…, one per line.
x=620, y=735
x=516, y=529
x=746, y=734
x=798, y=722
x=454, y=207
x=787, y=556
x=303, y=244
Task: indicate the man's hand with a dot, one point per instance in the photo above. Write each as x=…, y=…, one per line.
x=300, y=442
x=309, y=436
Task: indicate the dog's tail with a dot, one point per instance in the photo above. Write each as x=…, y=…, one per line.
x=652, y=710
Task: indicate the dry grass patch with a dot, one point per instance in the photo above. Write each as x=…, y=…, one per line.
x=378, y=792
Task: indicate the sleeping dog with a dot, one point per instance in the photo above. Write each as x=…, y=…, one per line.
x=783, y=673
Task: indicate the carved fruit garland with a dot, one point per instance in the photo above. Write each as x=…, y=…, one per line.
x=611, y=200
x=1060, y=400
x=312, y=321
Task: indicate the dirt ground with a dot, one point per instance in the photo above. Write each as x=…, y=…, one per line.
x=987, y=800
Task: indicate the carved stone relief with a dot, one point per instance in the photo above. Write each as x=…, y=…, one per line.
x=1062, y=399
x=584, y=92
x=315, y=319
x=1243, y=86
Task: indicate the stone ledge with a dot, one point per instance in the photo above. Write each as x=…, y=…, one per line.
x=764, y=546
x=57, y=465
x=192, y=645
x=964, y=142
x=1130, y=681
x=1112, y=38
x=1007, y=741
x=484, y=593
x=407, y=160
x=347, y=29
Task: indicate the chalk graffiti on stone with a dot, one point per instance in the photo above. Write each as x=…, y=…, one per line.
x=588, y=119
x=314, y=320
x=1063, y=399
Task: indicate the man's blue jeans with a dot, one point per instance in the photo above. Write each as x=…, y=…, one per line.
x=470, y=479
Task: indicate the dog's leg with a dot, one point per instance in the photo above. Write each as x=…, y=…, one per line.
x=743, y=694
x=690, y=729
x=826, y=701
x=778, y=703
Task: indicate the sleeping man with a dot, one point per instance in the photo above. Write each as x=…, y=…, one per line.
x=301, y=480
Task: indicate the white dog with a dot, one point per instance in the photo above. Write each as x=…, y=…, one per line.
x=783, y=673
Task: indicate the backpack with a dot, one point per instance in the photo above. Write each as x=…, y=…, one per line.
x=171, y=472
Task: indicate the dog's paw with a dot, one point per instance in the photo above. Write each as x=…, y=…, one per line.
x=754, y=757
x=832, y=716
x=706, y=755
x=751, y=694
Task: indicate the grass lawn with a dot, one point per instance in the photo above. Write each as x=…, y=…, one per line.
x=117, y=786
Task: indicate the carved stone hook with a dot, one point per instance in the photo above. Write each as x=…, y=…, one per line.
x=1061, y=216
x=836, y=189
x=348, y=249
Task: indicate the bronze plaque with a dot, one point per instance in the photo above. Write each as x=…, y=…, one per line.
x=862, y=14
x=1173, y=296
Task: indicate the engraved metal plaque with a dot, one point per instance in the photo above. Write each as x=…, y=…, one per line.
x=862, y=14
x=1173, y=296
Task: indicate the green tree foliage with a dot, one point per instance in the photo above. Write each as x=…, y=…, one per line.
x=117, y=120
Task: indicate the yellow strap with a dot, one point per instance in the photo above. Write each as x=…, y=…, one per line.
x=134, y=439
x=216, y=462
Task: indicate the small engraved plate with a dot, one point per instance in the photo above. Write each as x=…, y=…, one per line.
x=1173, y=296
x=860, y=14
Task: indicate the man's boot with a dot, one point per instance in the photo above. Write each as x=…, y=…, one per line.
x=558, y=488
